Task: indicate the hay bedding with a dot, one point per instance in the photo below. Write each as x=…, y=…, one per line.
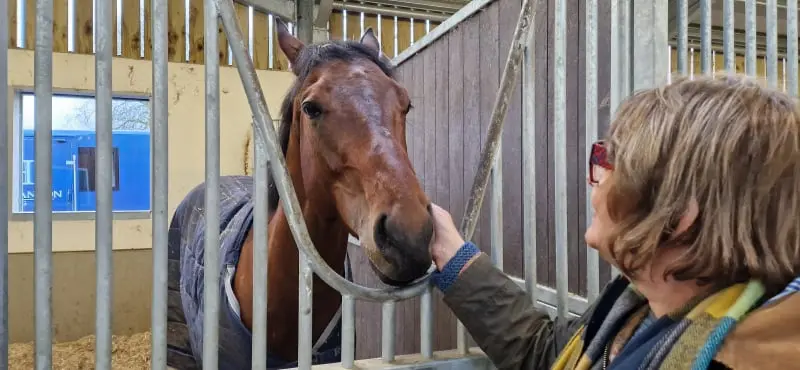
x=128, y=353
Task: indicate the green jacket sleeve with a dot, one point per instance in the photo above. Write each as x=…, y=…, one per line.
x=504, y=322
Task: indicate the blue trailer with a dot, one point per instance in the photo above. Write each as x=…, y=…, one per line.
x=74, y=171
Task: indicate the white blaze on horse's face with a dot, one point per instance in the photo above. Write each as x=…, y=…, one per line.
x=352, y=115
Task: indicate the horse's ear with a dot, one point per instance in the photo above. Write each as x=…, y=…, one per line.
x=369, y=39
x=289, y=44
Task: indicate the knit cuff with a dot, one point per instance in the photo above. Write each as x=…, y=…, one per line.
x=445, y=278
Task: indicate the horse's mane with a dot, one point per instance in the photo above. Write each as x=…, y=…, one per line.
x=311, y=57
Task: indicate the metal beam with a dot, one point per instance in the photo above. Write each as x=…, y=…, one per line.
x=281, y=8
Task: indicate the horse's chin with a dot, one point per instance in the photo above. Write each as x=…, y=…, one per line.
x=397, y=283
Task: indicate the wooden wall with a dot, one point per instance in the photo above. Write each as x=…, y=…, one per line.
x=136, y=44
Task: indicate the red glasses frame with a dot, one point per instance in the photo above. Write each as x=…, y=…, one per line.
x=598, y=157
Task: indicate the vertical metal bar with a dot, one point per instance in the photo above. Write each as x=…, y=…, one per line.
x=43, y=217
x=160, y=133
x=750, y=35
x=103, y=196
x=772, y=43
x=305, y=306
x=305, y=32
x=4, y=181
x=211, y=299
x=496, y=208
x=705, y=36
x=592, y=258
x=388, y=331
x=529, y=217
x=728, y=24
x=260, y=255
x=560, y=157
x=683, y=36
x=348, y=331
x=426, y=323
x=791, y=47
x=271, y=57
x=621, y=59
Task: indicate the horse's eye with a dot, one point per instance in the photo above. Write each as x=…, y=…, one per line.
x=311, y=109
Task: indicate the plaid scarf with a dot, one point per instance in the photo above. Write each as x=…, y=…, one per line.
x=690, y=343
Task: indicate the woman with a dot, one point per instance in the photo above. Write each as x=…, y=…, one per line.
x=696, y=197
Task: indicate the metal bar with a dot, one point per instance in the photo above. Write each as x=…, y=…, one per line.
x=289, y=202
x=4, y=181
x=496, y=208
x=592, y=257
x=791, y=47
x=728, y=27
x=348, y=331
x=620, y=59
x=772, y=43
x=683, y=37
x=43, y=216
x=260, y=256
x=560, y=157
x=705, y=36
x=426, y=323
x=304, y=317
x=211, y=298
x=494, y=132
x=750, y=32
x=388, y=331
x=529, y=216
x=103, y=184
x=160, y=184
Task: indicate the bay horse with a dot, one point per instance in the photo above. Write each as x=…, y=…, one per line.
x=342, y=133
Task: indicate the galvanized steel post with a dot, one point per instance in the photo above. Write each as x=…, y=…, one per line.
x=104, y=216
x=159, y=130
x=43, y=214
x=4, y=181
x=591, y=134
x=750, y=35
x=211, y=255
x=791, y=47
x=560, y=156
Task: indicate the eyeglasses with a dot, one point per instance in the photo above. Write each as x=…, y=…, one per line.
x=598, y=157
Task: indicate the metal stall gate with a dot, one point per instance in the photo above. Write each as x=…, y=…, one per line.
x=649, y=21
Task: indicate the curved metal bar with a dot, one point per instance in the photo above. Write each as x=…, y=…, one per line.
x=291, y=206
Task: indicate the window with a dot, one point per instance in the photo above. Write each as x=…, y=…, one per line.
x=74, y=153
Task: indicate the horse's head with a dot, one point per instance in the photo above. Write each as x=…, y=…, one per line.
x=347, y=115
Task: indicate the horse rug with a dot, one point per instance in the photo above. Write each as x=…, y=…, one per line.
x=186, y=246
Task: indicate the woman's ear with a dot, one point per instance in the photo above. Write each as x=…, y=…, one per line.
x=689, y=216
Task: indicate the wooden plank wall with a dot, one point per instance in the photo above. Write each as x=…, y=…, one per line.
x=137, y=45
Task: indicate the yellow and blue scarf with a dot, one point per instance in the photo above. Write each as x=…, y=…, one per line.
x=690, y=339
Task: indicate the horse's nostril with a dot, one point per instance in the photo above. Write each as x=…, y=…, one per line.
x=381, y=230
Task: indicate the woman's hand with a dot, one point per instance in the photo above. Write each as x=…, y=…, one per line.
x=446, y=239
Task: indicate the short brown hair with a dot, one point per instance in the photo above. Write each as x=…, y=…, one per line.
x=731, y=144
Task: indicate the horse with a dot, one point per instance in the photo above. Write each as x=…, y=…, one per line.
x=342, y=133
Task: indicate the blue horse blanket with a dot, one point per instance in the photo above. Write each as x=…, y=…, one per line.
x=186, y=274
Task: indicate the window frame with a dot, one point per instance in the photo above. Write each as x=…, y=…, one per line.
x=17, y=149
